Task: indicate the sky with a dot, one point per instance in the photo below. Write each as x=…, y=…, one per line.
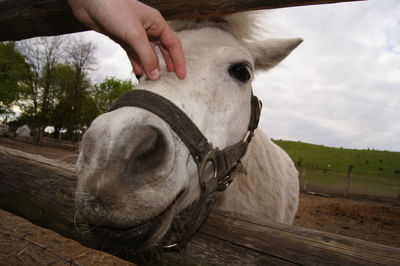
x=340, y=87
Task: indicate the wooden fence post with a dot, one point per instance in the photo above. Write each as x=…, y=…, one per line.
x=59, y=140
x=303, y=181
x=348, y=180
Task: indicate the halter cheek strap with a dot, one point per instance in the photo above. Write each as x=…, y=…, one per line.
x=200, y=148
x=222, y=162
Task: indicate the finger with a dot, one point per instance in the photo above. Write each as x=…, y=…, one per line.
x=139, y=42
x=171, y=43
x=133, y=59
x=135, y=63
x=178, y=59
x=168, y=61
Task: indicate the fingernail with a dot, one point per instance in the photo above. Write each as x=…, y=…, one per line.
x=181, y=73
x=155, y=74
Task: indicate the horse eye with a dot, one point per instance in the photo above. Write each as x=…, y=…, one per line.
x=240, y=71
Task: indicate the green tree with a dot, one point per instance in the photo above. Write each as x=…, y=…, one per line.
x=63, y=84
x=42, y=55
x=81, y=58
x=75, y=107
x=13, y=71
x=107, y=91
x=58, y=82
x=89, y=111
x=50, y=82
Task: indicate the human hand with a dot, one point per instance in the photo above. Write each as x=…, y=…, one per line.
x=138, y=28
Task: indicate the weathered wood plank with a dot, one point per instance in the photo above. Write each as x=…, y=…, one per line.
x=42, y=190
x=21, y=19
x=308, y=246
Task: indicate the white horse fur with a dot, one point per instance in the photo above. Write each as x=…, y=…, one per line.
x=126, y=177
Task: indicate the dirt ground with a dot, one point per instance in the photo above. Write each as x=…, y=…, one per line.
x=68, y=156
x=377, y=222
x=22, y=243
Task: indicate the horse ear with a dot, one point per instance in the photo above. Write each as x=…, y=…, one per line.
x=269, y=53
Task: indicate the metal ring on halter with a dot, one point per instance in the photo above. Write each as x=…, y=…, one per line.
x=210, y=157
x=171, y=246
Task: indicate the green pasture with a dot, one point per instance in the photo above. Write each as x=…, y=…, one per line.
x=334, y=182
x=375, y=173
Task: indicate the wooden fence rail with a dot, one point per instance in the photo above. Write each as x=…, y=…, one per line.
x=21, y=19
x=42, y=191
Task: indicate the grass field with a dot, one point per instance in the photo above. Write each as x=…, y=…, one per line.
x=375, y=173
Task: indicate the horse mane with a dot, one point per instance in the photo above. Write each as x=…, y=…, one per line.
x=243, y=26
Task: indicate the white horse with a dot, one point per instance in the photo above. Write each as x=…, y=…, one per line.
x=135, y=172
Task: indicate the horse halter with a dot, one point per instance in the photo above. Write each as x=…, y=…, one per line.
x=215, y=167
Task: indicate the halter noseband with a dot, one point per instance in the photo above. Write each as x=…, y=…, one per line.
x=222, y=162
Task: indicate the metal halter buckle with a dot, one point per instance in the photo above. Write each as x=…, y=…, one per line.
x=225, y=182
x=210, y=157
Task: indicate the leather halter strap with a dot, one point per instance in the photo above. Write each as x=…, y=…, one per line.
x=223, y=162
x=198, y=145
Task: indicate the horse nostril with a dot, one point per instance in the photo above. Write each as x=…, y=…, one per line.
x=149, y=152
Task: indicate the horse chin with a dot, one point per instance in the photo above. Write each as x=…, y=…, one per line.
x=144, y=236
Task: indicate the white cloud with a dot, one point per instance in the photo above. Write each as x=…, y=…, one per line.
x=341, y=87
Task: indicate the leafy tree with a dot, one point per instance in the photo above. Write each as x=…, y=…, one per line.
x=42, y=55
x=63, y=83
x=81, y=59
x=109, y=90
x=13, y=70
x=57, y=83
x=49, y=80
x=89, y=111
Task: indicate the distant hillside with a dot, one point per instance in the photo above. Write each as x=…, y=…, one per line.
x=365, y=162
